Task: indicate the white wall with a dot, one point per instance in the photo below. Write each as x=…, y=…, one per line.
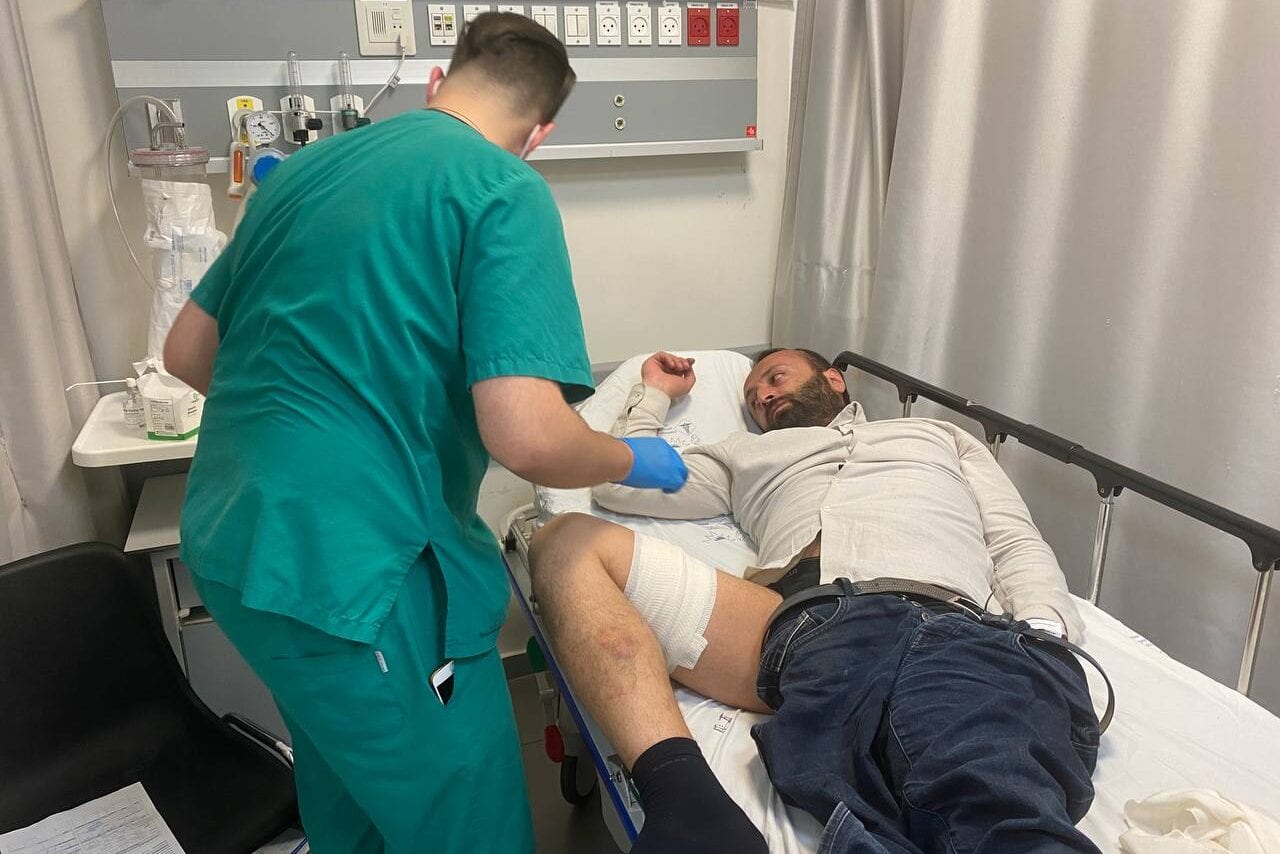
x=679, y=252
x=667, y=252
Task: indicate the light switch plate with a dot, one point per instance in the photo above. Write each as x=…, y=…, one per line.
x=471, y=11
x=547, y=17
x=577, y=26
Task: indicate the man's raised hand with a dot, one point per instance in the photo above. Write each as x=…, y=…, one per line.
x=672, y=375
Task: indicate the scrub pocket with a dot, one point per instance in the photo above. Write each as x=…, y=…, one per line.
x=317, y=687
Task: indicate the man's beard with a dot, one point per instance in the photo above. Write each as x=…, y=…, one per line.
x=814, y=404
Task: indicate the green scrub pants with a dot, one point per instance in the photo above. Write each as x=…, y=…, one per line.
x=380, y=764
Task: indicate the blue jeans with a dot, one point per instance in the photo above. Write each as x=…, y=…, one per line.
x=910, y=729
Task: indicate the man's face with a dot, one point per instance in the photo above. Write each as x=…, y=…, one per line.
x=784, y=390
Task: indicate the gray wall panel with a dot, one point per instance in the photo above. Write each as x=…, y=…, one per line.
x=315, y=29
x=695, y=109
x=231, y=32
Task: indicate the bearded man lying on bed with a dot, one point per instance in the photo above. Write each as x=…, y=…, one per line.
x=908, y=628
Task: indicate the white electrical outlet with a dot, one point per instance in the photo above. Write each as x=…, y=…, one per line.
x=577, y=26
x=546, y=16
x=639, y=24
x=511, y=7
x=443, y=19
x=608, y=24
x=471, y=11
x=383, y=26
x=670, y=24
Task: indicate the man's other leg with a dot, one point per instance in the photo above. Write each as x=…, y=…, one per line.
x=581, y=568
x=992, y=739
x=828, y=669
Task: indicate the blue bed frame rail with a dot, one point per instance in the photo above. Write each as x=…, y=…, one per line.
x=1111, y=478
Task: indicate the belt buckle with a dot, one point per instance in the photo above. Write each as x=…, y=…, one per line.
x=999, y=621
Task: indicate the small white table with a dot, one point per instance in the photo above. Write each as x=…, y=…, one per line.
x=105, y=440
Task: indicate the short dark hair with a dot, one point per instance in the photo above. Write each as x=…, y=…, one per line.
x=520, y=55
x=816, y=360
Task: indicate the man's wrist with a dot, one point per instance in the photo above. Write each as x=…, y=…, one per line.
x=651, y=389
x=622, y=458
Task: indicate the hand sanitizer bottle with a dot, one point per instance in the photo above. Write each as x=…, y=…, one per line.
x=134, y=409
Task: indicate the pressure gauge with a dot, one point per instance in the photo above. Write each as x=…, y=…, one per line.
x=263, y=127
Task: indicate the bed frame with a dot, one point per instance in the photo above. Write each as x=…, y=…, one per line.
x=583, y=739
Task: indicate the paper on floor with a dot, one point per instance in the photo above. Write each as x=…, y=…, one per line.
x=124, y=820
x=1191, y=821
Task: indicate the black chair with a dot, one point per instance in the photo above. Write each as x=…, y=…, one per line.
x=92, y=700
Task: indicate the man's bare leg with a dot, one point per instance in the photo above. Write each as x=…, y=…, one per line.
x=618, y=670
x=607, y=652
x=581, y=566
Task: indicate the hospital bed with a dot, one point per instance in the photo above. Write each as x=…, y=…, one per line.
x=1174, y=727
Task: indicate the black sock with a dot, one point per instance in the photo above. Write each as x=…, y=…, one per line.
x=686, y=811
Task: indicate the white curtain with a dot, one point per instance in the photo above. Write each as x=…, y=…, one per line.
x=45, y=501
x=1082, y=230
x=846, y=80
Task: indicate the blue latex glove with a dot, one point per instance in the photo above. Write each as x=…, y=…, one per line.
x=656, y=465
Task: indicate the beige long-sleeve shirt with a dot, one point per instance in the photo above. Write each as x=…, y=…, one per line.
x=908, y=498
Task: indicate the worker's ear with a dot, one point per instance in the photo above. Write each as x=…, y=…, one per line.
x=433, y=83
x=536, y=136
x=836, y=380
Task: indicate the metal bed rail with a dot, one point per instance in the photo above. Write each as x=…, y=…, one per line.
x=1111, y=478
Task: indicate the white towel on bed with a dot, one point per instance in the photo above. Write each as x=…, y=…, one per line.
x=1191, y=821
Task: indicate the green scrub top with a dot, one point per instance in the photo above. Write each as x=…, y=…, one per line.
x=376, y=276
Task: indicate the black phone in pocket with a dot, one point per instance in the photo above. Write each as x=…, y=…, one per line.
x=442, y=682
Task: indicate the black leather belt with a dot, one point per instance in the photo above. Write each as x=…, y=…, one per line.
x=925, y=594
x=911, y=590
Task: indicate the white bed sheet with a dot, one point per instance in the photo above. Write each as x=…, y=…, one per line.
x=1174, y=727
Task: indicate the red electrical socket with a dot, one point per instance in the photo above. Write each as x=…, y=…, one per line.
x=698, y=24
x=727, y=24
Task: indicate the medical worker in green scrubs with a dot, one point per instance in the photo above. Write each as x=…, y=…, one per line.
x=396, y=301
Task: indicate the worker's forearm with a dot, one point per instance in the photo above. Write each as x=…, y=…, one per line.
x=570, y=455
x=191, y=346
x=198, y=377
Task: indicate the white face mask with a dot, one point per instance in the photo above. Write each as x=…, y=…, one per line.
x=528, y=143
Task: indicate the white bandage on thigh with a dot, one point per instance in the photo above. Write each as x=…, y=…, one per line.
x=675, y=594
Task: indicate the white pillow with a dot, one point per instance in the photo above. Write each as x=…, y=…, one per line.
x=711, y=412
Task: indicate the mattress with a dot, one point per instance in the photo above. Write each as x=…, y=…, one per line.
x=1173, y=728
